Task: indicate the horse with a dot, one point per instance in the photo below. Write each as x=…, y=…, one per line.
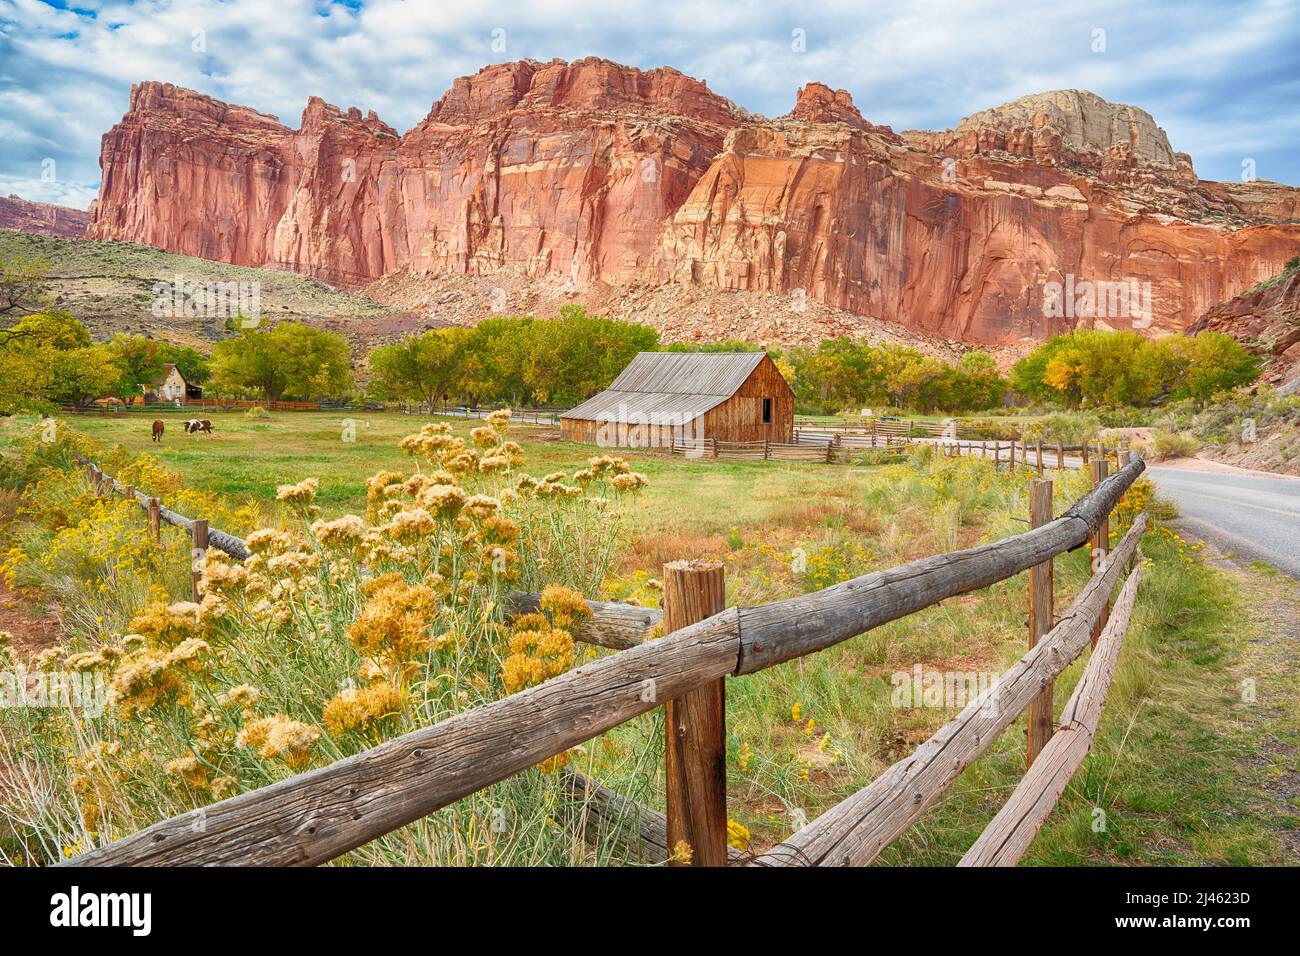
x=157, y=429
x=196, y=425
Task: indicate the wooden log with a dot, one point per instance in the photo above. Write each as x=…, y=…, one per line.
x=695, y=724
x=611, y=624
x=1100, y=541
x=153, y=512
x=198, y=553
x=315, y=816
x=629, y=826
x=783, y=630
x=857, y=830
x=1040, y=717
x=1007, y=837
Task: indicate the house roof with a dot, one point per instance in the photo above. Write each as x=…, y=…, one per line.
x=678, y=384
x=166, y=373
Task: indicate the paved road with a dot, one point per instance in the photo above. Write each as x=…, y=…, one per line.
x=1259, y=518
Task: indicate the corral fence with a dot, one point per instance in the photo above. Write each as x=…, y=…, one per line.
x=882, y=426
x=803, y=448
x=846, y=448
x=525, y=416
x=316, y=816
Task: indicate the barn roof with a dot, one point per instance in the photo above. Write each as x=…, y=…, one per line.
x=680, y=384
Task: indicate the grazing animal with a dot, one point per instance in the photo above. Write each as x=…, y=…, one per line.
x=157, y=429
x=196, y=425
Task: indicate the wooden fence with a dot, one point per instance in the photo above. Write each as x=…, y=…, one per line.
x=841, y=449
x=882, y=426
x=316, y=816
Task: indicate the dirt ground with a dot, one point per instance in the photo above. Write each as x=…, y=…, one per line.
x=33, y=628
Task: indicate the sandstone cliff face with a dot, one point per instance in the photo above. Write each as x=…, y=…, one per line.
x=560, y=168
x=1266, y=321
x=965, y=249
x=590, y=174
x=42, y=219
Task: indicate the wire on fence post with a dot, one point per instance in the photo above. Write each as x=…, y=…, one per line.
x=695, y=726
x=198, y=551
x=1040, y=718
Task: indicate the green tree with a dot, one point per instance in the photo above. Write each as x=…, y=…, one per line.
x=1209, y=363
x=139, y=361
x=425, y=368
x=288, y=360
x=48, y=357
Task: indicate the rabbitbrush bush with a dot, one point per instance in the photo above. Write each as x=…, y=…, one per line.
x=332, y=637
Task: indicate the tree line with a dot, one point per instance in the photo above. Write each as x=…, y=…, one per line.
x=47, y=356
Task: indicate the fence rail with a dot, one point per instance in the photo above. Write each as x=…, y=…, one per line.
x=318, y=815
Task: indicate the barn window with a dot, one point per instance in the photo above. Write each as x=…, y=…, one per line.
x=767, y=411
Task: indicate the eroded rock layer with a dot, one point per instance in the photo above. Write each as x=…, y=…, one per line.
x=42, y=219
x=599, y=174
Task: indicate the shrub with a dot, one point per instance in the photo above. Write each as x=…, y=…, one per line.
x=1165, y=444
x=331, y=637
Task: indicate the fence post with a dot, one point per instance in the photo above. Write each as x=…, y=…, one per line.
x=198, y=550
x=1100, y=545
x=129, y=493
x=1012, y=466
x=154, y=510
x=1060, y=456
x=1040, y=718
x=1083, y=450
x=1038, y=450
x=695, y=724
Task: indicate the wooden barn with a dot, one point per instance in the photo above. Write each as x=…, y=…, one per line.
x=664, y=396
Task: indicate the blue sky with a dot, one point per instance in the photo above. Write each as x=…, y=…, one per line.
x=1222, y=78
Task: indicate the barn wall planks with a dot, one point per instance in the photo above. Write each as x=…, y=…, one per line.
x=737, y=418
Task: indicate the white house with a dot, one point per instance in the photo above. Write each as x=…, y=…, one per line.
x=168, y=387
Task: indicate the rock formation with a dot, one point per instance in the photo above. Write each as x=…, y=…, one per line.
x=1266, y=321
x=543, y=168
x=42, y=219
x=591, y=174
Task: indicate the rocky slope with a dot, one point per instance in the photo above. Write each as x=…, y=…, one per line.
x=1265, y=320
x=590, y=179
x=42, y=219
x=113, y=287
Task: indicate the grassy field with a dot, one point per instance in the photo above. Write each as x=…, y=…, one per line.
x=1183, y=771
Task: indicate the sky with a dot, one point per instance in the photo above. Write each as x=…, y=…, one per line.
x=1222, y=78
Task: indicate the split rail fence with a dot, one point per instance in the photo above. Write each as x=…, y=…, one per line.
x=316, y=816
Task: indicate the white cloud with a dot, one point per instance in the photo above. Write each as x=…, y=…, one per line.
x=1220, y=83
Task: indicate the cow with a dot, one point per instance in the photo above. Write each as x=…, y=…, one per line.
x=196, y=425
x=157, y=429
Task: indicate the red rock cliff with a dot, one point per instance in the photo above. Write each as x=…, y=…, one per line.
x=598, y=173
x=43, y=219
x=559, y=168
